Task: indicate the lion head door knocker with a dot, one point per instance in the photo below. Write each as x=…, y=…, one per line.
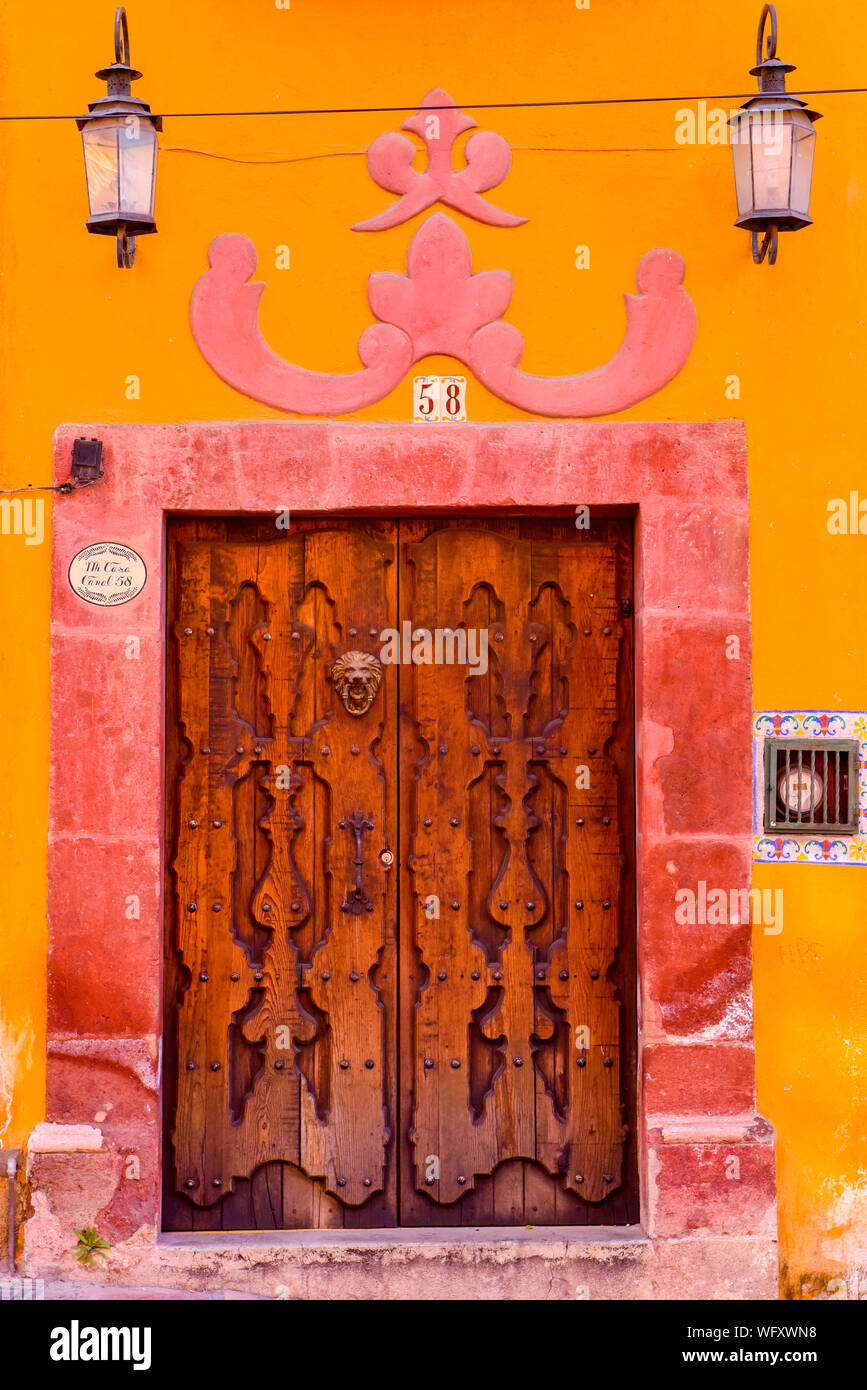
x=357, y=677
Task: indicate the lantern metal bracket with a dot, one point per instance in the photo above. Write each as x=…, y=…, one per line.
x=768, y=246
x=125, y=249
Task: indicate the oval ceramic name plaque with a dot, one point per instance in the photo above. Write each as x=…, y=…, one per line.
x=107, y=574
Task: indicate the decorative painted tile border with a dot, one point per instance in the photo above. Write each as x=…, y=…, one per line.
x=808, y=849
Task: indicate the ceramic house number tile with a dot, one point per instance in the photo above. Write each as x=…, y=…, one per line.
x=439, y=399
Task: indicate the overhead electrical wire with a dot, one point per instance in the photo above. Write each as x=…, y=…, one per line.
x=462, y=106
x=50, y=487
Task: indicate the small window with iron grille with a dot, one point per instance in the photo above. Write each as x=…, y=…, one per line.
x=811, y=785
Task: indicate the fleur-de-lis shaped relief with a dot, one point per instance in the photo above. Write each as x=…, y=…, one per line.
x=439, y=123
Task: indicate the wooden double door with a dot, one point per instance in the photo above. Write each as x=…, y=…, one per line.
x=400, y=899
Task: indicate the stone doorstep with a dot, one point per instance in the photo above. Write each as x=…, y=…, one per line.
x=547, y=1242
x=438, y=1264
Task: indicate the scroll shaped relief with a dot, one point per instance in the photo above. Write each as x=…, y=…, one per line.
x=440, y=306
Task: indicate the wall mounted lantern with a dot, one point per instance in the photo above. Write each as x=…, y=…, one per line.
x=773, y=143
x=120, y=154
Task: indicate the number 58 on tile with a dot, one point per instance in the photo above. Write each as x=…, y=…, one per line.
x=439, y=398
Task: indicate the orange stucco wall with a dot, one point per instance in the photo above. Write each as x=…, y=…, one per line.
x=611, y=178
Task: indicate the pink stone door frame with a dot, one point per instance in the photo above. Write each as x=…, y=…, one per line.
x=688, y=486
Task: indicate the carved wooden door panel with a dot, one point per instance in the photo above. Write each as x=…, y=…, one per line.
x=423, y=1018
x=282, y=813
x=517, y=928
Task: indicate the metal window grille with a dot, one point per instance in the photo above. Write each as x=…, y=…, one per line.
x=811, y=785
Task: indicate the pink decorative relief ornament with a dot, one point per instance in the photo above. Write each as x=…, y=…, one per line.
x=439, y=123
x=439, y=306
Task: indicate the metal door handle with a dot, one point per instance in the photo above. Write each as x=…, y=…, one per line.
x=357, y=901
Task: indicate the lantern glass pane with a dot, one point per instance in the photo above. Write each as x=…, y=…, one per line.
x=100, y=164
x=742, y=158
x=120, y=163
x=138, y=155
x=804, y=136
x=771, y=145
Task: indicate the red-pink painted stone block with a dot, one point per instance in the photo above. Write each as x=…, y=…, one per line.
x=95, y=1189
x=106, y=752
x=104, y=965
x=77, y=524
x=724, y=1189
x=696, y=978
x=700, y=698
x=716, y=1078
x=113, y=1083
x=109, y=1082
x=324, y=467
x=696, y=558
